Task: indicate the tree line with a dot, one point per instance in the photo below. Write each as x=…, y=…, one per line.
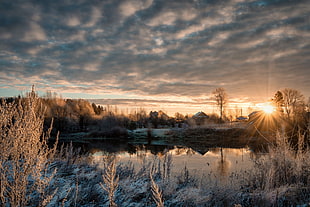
x=79, y=115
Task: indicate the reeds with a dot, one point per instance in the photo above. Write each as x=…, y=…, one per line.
x=283, y=165
x=156, y=192
x=110, y=179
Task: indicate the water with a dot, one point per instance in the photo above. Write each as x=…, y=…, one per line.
x=219, y=161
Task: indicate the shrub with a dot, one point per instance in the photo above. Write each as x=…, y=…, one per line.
x=113, y=132
x=24, y=155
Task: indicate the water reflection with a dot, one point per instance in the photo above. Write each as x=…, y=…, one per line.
x=220, y=161
x=223, y=164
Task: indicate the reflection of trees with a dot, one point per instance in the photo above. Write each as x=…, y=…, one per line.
x=223, y=165
x=158, y=150
x=215, y=150
x=184, y=150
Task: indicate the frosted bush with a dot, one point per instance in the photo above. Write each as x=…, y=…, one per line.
x=24, y=155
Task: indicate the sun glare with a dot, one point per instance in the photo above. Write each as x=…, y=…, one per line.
x=267, y=108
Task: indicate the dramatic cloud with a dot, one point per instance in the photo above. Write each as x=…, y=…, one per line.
x=140, y=49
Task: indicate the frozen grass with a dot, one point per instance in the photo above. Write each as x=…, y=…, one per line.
x=157, y=194
x=80, y=184
x=279, y=178
x=29, y=178
x=110, y=179
x=283, y=175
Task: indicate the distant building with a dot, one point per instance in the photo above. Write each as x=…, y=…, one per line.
x=242, y=118
x=159, y=119
x=200, y=114
x=253, y=115
x=200, y=118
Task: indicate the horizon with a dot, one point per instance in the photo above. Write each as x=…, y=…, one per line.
x=163, y=55
x=127, y=106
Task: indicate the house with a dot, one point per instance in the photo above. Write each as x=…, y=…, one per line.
x=254, y=115
x=200, y=118
x=158, y=119
x=241, y=118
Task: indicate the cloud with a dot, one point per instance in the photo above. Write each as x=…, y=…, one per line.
x=165, y=18
x=189, y=30
x=73, y=21
x=172, y=13
x=156, y=48
x=35, y=33
x=219, y=38
x=130, y=7
x=95, y=16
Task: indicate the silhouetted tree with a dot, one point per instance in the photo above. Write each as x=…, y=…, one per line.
x=293, y=103
x=97, y=109
x=179, y=118
x=220, y=97
x=308, y=105
x=292, y=108
x=278, y=101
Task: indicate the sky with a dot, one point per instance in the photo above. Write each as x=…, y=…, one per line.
x=156, y=54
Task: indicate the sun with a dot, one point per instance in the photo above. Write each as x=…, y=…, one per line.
x=267, y=108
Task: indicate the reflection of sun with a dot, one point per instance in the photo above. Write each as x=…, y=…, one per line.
x=267, y=108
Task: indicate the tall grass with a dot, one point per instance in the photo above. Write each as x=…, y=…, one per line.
x=110, y=179
x=24, y=154
x=285, y=164
x=282, y=176
x=157, y=194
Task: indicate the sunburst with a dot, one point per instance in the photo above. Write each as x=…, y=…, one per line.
x=265, y=119
x=267, y=108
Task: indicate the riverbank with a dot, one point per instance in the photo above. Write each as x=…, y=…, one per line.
x=200, y=139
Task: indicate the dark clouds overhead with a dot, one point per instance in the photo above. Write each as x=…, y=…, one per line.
x=156, y=47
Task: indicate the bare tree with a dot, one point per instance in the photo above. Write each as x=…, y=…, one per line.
x=293, y=103
x=220, y=97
